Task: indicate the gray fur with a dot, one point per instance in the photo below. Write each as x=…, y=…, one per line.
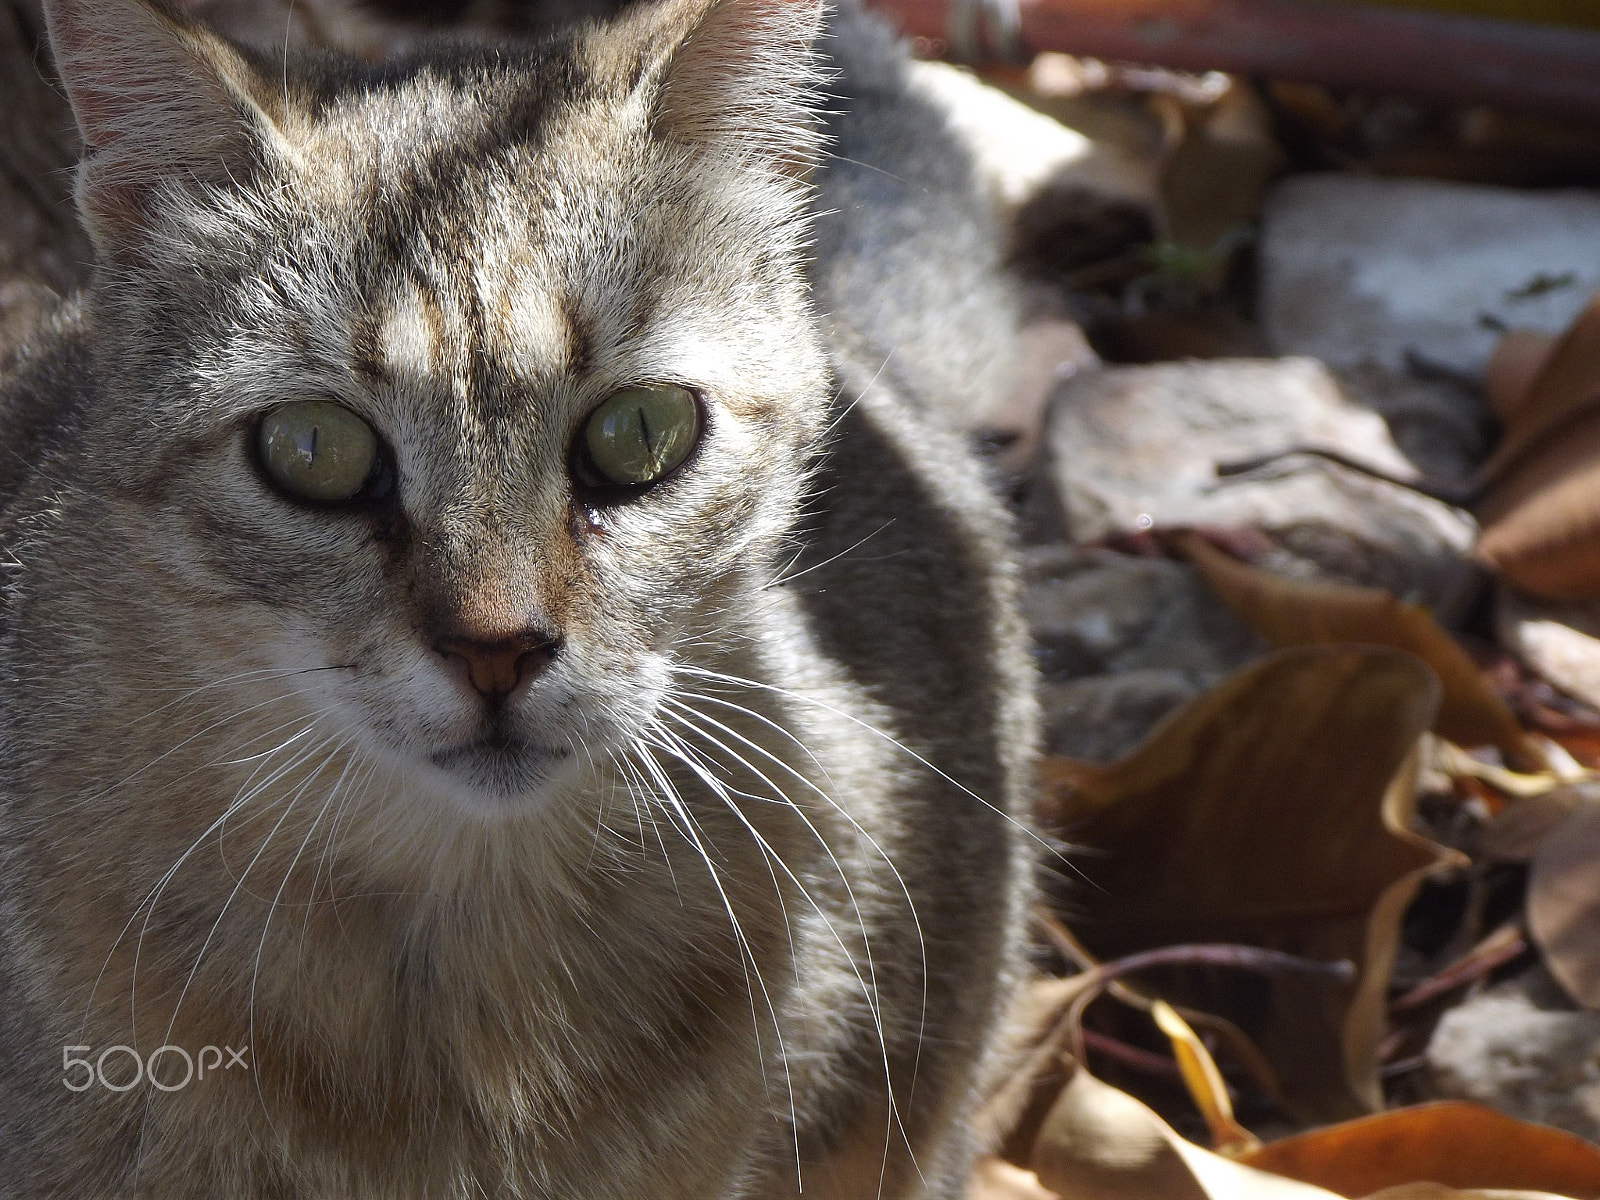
x=517, y=973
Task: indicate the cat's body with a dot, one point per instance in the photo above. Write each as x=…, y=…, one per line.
x=661, y=915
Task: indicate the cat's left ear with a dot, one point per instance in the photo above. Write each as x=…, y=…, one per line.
x=161, y=102
x=744, y=79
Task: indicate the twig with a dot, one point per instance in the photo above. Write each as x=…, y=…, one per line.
x=1495, y=951
x=1245, y=958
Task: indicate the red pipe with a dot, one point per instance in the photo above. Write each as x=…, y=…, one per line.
x=1539, y=68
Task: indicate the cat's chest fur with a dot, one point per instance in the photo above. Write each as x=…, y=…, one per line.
x=480, y=643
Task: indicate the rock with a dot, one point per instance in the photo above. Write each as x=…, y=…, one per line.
x=1560, y=641
x=1520, y=1047
x=1128, y=448
x=1442, y=427
x=1360, y=269
x=1102, y=718
x=1121, y=641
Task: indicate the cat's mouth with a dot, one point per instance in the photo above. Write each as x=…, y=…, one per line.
x=502, y=763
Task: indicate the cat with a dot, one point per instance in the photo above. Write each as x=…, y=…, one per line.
x=510, y=686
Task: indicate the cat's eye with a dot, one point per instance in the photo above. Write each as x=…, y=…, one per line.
x=317, y=450
x=638, y=435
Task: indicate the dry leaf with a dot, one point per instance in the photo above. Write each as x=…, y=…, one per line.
x=996, y=1179
x=1294, y=613
x=1541, y=524
x=1270, y=811
x=1010, y=1117
x=1438, y=1191
x=1564, y=903
x=1222, y=159
x=1540, y=520
x=1565, y=382
x=1099, y=1143
x=1518, y=830
x=1518, y=358
x=1204, y=1081
x=1451, y=1143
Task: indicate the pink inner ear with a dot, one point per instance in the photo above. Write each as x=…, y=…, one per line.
x=150, y=103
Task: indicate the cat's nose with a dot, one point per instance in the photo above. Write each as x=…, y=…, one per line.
x=496, y=667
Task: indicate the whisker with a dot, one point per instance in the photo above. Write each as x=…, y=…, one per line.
x=748, y=963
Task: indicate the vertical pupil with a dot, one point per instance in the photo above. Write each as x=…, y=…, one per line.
x=644, y=431
x=305, y=441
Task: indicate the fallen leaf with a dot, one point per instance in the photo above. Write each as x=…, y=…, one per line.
x=1564, y=903
x=1099, y=1143
x=1540, y=524
x=1204, y=1081
x=1451, y=1143
x=1518, y=830
x=1010, y=1117
x=1223, y=156
x=1271, y=811
x=1438, y=1191
x=1518, y=358
x=996, y=1179
x=1291, y=612
x=1565, y=381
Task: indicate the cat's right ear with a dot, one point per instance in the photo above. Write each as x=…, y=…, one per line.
x=744, y=78
x=161, y=103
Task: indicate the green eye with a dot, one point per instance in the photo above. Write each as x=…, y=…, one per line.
x=317, y=450
x=639, y=434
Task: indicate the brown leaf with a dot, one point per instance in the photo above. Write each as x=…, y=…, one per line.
x=1564, y=903
x=1438, y=1191
x=1099, y=1143
x=996, y=1179
x=1290, y=612
x=1450, y=1143
x=1518, y=358
x=1565, y=381
x=1270, y=811
x=1541, y=525
x=1540, y=521
x=1222, y=160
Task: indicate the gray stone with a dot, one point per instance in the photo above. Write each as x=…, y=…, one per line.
x=1359, y=269
x=1521, y=1048
x=1128, y=448
x=1102, y=718
x=1122, y=641
x=1443, y=428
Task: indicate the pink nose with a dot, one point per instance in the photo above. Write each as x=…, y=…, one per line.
x=496, y=668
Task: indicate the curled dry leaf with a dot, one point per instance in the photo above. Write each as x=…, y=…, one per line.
x=1011, y=1114
x=1291, y=612
x=1564, y=903
x=1450, y=1145
x=1099, y=1143
x=1204, y=1081
x=1518, y=830
x=995, y=1179
x=1271, y=811
x=1541, y=524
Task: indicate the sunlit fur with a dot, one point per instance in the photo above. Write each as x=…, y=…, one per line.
x=726, y=901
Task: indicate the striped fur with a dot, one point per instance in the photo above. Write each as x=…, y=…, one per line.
x=730, y=903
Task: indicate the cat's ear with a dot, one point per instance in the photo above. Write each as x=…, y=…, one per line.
x=744, y=78
x=160, y=102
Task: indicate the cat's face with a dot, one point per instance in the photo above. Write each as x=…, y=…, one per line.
x=485, y=394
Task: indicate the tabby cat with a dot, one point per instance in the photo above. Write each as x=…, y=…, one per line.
x=509, y=686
